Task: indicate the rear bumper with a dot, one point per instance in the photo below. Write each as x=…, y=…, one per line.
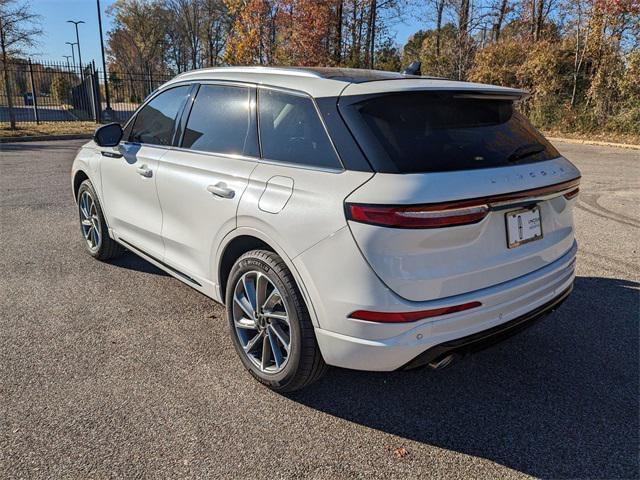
x=506, y=309
x=487, y=338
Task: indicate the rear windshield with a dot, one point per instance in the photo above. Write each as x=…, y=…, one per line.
x=418, y=132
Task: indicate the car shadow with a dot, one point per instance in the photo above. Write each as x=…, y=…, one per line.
x=559, y=400
x=131, y=261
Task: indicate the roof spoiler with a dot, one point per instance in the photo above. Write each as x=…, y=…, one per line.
x=510, y=94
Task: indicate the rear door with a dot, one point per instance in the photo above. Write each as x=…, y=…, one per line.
x=200, y=183
x=296, y=193
x=129, y=172
x=456, y=173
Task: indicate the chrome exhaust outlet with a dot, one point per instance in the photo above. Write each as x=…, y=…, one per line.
x=443, y=362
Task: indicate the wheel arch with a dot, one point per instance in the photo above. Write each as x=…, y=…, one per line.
x=79, y=177
x=243, y=240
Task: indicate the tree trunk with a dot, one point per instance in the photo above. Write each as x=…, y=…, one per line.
x=440, y=10
x=464, y=18
x=337, y=53
x=374, y=8
x=539, y=20
x=7, y=82
x=498, y=25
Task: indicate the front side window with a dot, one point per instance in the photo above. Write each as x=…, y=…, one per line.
x=155, y=123
x=221, y=121
x=291, y=131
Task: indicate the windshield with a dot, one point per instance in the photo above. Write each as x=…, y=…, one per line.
x=417, y=132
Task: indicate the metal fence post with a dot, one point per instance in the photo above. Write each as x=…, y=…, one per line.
x=33, y=92
x=92, y=90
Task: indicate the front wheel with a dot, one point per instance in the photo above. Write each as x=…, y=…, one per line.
x=270, y=324
x=93, y=225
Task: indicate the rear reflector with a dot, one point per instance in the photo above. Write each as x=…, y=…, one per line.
x=427, y=216
x=400, y=317
x=572, y=194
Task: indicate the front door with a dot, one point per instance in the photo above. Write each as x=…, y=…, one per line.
x=129, y=173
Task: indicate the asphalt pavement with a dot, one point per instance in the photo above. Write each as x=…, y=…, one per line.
x=118, y=370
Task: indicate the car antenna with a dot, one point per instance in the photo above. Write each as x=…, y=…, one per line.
x=413, y=69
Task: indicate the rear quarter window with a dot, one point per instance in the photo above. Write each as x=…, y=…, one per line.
x=420, y=132
x=291, y=131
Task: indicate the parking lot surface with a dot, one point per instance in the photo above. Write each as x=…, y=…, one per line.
x=116, y=369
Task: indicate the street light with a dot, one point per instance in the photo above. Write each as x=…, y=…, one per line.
x=104, y=66
x=73, y=55
x=68, y=66
x=76, y=23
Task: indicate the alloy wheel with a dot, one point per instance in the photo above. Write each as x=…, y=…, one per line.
x=261, y=322
x=89, y=221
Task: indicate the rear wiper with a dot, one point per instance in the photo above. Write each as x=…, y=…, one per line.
x=525, y=151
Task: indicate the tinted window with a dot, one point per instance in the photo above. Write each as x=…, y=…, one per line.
x=155, y=122
x=290, y=131
x=221, y=121
x=436, y=132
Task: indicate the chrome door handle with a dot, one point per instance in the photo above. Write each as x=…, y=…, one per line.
x=220, y=189
x=144, y=171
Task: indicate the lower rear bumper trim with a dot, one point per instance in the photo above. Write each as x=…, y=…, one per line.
x=486, y=338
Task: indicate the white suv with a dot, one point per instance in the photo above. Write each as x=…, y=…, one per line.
x=363, y=219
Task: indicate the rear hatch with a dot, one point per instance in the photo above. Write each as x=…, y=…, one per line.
x=467, y=193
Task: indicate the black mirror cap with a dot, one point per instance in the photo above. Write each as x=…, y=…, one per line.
x=108, y=135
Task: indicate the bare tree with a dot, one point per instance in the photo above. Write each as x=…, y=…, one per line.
x=188, y=18
x=19, y=29
x=497, y=26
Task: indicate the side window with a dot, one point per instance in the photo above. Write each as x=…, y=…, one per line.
x=290, y=131
x=155, y=122
x=222, y=121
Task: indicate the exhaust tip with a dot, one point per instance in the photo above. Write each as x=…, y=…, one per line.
x=442, y=362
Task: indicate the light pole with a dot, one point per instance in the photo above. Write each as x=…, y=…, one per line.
x=76, y=23
x=73, y=55
x=104, y=66
x=68, y=66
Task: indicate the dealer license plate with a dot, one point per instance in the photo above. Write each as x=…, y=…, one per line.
x=523, y=226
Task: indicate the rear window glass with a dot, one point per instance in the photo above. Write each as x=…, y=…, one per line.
x=421, y=132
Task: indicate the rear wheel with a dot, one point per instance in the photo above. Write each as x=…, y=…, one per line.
x=93, y=226
x=270, y=325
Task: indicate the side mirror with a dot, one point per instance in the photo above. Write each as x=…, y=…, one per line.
x=108, y=135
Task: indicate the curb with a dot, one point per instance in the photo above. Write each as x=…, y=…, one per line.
x=594, y=142
x=77, y=136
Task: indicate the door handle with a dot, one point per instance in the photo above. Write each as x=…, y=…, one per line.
x=220, y=189
x=144, y=171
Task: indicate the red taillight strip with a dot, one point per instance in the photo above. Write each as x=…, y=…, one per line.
x=415, y=217
x=445, y=214
x=572, y=194
x=401, y=317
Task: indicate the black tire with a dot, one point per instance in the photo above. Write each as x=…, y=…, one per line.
x=304, y=364
x=106, y=248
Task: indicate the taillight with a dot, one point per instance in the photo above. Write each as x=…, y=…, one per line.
x=426, y=216
x=572, y=194
x=400, y=317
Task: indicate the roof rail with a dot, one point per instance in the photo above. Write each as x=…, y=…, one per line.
x=255, y=69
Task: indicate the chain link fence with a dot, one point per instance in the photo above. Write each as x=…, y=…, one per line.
x=35, y=92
